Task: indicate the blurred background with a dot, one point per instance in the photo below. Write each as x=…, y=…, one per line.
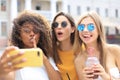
x=109, y=10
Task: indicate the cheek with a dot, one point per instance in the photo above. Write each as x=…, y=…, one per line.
x=69, y=30
x=96, y=33
x=37, y=37
x=80, y=34
x=22, y=36
x=55, y=31
x=24, y=39
x=96, y=36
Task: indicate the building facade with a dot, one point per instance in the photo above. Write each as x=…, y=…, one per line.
x=109, y=10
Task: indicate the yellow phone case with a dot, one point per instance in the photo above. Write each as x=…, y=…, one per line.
x=34, y=57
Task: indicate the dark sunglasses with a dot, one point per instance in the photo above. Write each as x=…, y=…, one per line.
x=56, y=24
x=90, y=27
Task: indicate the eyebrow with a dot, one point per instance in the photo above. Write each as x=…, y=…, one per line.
x=87, y=24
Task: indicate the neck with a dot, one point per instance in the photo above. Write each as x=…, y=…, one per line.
x=65, y=46
x=95, y=46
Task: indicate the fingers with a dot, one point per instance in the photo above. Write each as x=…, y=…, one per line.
x=10, y=69
x=88, y=73
x=19, y=61
x=7, y=50
x=94, y=71
x=12, y=65
x=34, y=42
x=10, y=58
x=6, y=61
x=99, y=70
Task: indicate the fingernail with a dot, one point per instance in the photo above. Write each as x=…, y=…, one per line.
x=21, y=52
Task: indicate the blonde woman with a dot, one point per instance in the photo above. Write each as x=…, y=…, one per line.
x=90, y=33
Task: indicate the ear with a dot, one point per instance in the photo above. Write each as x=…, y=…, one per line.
x=73, y=29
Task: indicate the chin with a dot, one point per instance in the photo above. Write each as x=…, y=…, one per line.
x=87, y=42
x=30, y=46
x=60, y=40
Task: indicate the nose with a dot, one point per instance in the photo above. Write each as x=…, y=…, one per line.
x=85, y=29
x=59, y=26
x=32, y=32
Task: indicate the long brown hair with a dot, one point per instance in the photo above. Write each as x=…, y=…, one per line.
x=54, y=39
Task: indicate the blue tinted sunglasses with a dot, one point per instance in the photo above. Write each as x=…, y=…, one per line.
x=90, y=27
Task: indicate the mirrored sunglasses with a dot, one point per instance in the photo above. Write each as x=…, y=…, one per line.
x=56, y=24
x=90, y=27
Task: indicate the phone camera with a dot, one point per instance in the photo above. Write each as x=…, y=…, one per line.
x=38, y=53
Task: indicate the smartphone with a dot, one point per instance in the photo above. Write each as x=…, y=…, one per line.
x=34, y=57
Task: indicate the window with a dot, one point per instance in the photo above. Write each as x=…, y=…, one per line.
x=19, y=5
x=3, y=29
x=78, y=10
x=3, y=5
x=116, y=13
x=107, y=30
x=98, y=11
x=57, y=7
x=106, y=12
x=38, y=7
x=117, y=30
x=88, y=8
x=68, y=8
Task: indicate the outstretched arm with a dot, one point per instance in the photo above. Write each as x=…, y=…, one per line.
x=52, y=73
x=6, y=66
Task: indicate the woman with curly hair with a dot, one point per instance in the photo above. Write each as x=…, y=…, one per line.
x=31, y=30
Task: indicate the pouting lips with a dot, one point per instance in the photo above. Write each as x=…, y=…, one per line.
x=32, y=39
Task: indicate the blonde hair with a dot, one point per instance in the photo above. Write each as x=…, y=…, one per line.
x=101, y=40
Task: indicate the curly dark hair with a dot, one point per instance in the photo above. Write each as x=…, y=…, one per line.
x=41, y=24
x=54, y=38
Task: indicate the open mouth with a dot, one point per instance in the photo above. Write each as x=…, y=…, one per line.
x=87, y=36
x=59, y=33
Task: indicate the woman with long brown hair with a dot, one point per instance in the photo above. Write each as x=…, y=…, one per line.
x=63, y=32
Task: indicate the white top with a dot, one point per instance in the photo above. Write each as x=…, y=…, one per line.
x=34, y=73
x=114, y=72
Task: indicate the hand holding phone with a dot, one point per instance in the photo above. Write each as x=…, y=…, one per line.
x=34, y=57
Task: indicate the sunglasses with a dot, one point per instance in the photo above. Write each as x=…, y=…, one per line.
x=56, y=24
x=90, y=27
x=28, y=31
